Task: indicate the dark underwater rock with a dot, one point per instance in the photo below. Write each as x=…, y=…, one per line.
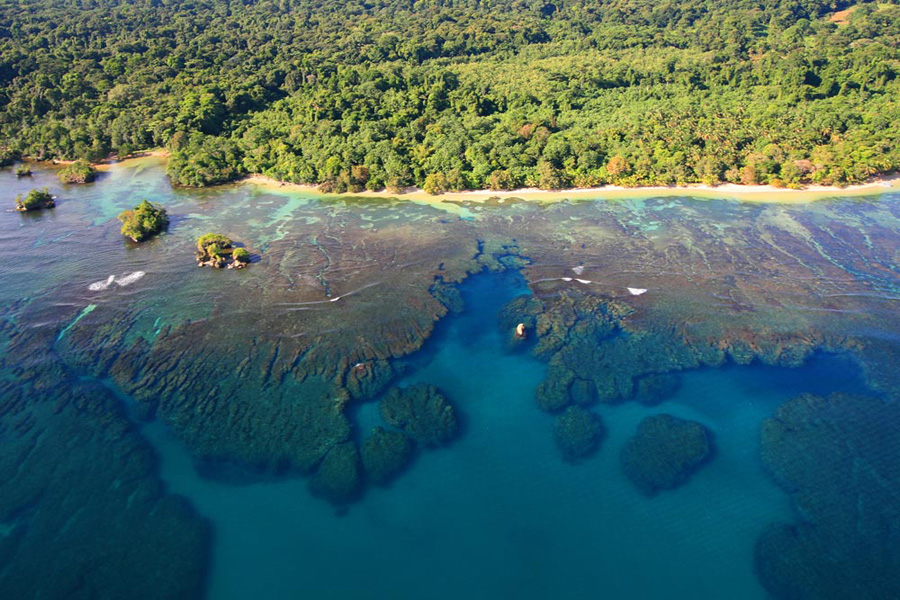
x=449, y=295
x=582, y=392
x=339, y=476
x=577, y=433
x=657, y=387
x=664, y=453
x=839, y=459
x=422, y=412
x=385, y=454
x=552, y=394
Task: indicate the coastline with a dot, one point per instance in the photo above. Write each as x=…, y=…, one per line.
x=745, y=193
x=451, y=200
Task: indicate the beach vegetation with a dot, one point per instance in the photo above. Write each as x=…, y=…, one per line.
x=7, y=157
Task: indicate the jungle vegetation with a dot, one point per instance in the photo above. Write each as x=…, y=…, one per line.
x=455, y=94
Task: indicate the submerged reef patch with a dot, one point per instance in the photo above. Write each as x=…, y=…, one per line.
x=422, y=412
x=385, y=454
x=664, y=453
x=577, y=433
x=348, y=288
x=339, y=478
x=839, y=459
x=657, y=387
x=84, y=512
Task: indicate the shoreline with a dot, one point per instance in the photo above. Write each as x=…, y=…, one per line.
x=746, y=193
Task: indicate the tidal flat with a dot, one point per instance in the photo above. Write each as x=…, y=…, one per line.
x=353, y=415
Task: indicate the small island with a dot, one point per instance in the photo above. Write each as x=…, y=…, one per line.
x=23, y=170
x=216, y=250
x=145, y=221
x=35, y=200
x=78, y=172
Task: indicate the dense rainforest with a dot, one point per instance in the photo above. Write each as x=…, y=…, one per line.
x=459, y=94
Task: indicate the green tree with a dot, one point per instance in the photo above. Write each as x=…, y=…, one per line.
x=146, y=220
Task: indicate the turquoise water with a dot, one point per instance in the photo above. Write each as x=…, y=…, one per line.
x=501, y=507
x=158, y=434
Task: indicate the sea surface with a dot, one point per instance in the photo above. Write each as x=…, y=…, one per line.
x=98, y=442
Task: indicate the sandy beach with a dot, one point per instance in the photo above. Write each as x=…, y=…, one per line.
x=749, y=193
x=449, y=200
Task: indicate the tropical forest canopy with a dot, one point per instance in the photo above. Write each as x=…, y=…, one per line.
x=458, y=94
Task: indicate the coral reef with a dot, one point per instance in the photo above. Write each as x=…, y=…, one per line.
x=385, y=454
x=422, y=412
x=577, y=433
x=839, y=459
x=339, y=478
x=346, y=288
x=656, y=387
x=79, y=484
x=664, y=453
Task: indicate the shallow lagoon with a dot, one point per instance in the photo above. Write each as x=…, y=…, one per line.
x=496, y=513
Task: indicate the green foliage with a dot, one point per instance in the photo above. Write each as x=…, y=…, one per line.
x=146, y=220
x=7, y=157
x=212, y=245
x=23, y=170
x=436, y=183
x=35, y=200
x=497, y=93
x=203, y=160
x=78, y=172
x=240, y=255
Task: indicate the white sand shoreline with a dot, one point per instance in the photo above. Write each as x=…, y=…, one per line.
x=746, y=193
x=751, y=193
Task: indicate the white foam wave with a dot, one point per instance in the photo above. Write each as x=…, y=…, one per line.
x=636, y=291
x=102, y=285
x=130, y=278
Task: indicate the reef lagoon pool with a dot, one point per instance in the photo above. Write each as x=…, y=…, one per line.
x=354, y=416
